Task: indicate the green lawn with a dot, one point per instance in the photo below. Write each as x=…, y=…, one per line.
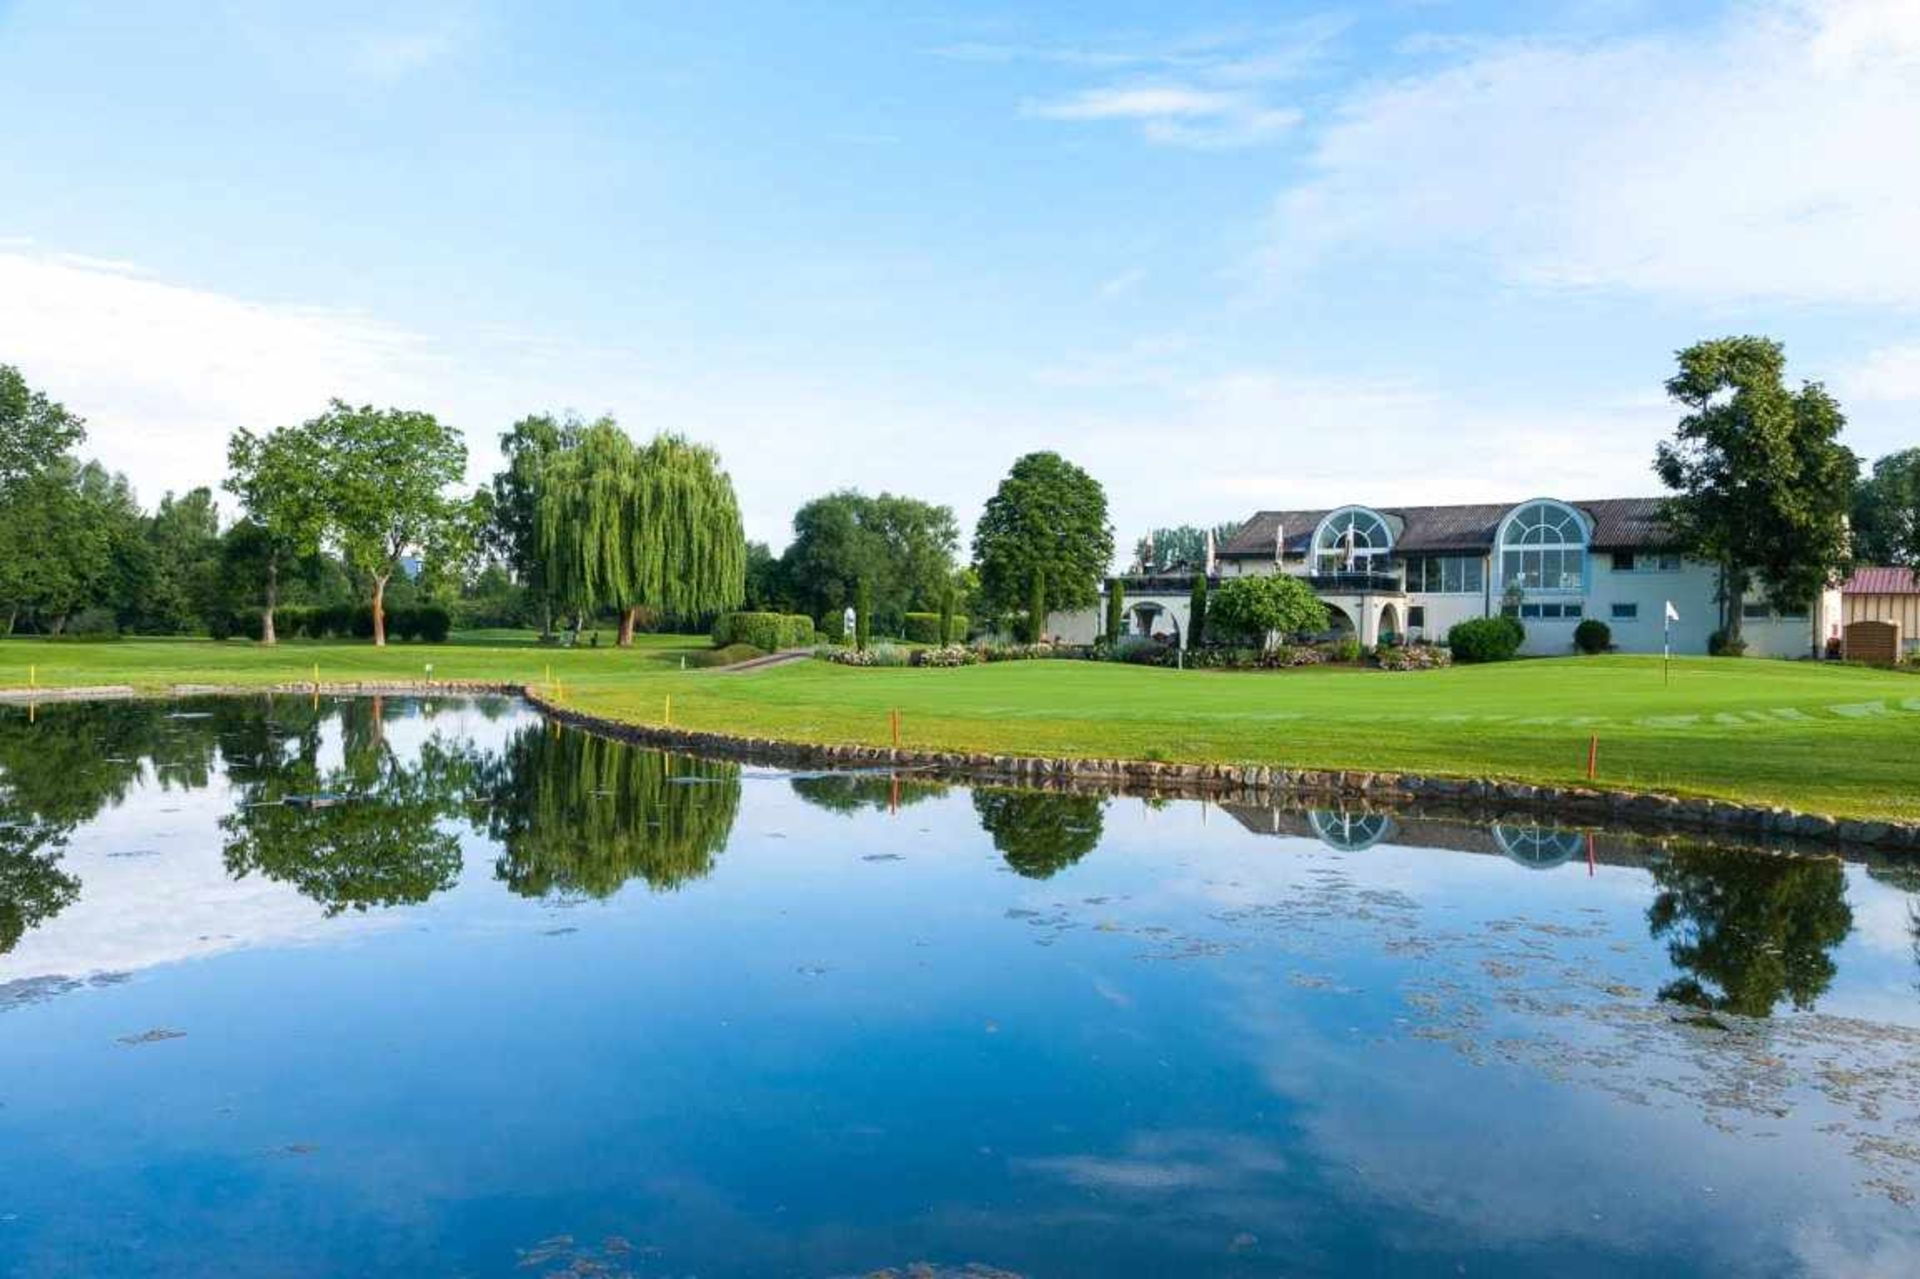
x=1840, y=740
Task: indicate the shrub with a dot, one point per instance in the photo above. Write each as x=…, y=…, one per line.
x=922, y=628
x=947, y=655
x=362, y=623
x=1486, y=639
x=1344, y=649
x=1413, y=657
x=880, y=654
x=1013, y=652
x=833, y=626
x=1719, y=644
x=1252, y=608
x=248, y=624
x=1593, y=636
x=768, y=631
x=92, y=623
x=1139, y=651
x=726, y=655
x=403, y=624
x=433, y=623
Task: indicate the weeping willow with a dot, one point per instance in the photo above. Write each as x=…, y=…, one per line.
x=622, y=526
x=578, y=816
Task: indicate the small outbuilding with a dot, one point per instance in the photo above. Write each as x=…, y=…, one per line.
x=1880, y=614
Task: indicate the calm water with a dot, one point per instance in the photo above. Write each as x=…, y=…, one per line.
x=434, y=989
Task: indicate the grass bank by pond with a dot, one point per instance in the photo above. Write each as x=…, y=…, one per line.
x=1837, y=740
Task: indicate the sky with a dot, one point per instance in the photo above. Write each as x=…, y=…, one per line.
x=1223, y=256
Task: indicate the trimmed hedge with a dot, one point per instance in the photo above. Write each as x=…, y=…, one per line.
x=769, y=632
x=1593, y=636
x=431, y=623
x=1486, y=639
x=924, y=628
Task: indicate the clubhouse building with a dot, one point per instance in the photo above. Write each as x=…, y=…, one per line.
x=1413, y=571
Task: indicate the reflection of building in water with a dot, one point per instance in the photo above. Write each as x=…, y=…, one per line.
x=1539, y=847
x=1349, y=832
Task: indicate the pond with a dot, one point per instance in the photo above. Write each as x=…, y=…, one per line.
x=403, y=987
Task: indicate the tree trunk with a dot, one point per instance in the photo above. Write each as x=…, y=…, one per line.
x=380, y=609
x=12, y=616
x=629, y=618
x=267, y=634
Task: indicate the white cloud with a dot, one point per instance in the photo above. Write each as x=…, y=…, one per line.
x=1176, y=114
x=1761, y=159
x=1890, y=374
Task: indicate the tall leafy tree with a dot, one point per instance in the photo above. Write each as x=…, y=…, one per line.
x=34, y=430
x=56, y=546
x=1258, y=608
x=1761, y=481
x=900, y=546
x=1886, y=512
x=281, y=480
x=514, y=532
x=183, y=549
x=387, y=472
x=624, y=527
x=1183, y=544
x=1046, y=523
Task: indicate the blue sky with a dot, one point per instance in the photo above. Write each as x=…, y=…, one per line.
x=1224, y=256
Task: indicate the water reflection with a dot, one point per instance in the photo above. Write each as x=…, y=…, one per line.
x=1347, y=832
x=1539, y=847
x=850, y=793
x=1040, y=833
x=579, y=816
x=1748, y=930
x=362, y=833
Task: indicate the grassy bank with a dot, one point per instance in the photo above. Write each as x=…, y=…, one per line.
x=1838, y=740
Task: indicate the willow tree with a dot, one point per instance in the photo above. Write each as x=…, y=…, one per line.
x=624, y=527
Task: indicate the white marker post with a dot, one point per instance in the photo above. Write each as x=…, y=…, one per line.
x=1666, y=643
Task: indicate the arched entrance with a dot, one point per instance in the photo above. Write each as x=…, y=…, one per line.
x=1390, y=627
x=1147, y=620
x=1340, y=622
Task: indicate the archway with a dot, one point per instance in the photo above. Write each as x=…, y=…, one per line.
x=1148, y=620
x=1390, y=627
x=1340, y=622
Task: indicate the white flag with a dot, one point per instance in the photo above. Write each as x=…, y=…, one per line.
x=1673, y=614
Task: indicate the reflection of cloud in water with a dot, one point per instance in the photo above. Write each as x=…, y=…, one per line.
x=1154, y=1162
x=138, y=910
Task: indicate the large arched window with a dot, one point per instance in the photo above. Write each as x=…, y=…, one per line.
x=1543, y=547
x=1349, y=540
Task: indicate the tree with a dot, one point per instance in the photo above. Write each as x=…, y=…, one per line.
x=34, y=430
x=1197, y=612
x=514, y=531
x=1758, y=928
x=387, y=472
x=862, y=614
x=623, y=527
x=766, y=587
x=1047, y=518
x=1762, y=484
x=1257, y=608
x=947, y=593
x=56, y=546
x=1184, y=545
x=1040, y=833
x=1037, y=606
x=183, y=546
x=1116, y=610
x=900, y=546
x=281, y=481
x=1886, y=512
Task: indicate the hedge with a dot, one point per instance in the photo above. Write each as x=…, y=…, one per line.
x=1593, y=636
x=769, y=632
x=924, y=628
x=1486, y=639
x=429, y=622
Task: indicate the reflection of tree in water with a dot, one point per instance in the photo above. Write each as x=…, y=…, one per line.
x=1748, y=929
x=58, y=769
x=1040, y=833
x=580, y=815
x=850, y=793
x=375, y=839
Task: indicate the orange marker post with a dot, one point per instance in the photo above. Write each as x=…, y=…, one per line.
x=1593, y=756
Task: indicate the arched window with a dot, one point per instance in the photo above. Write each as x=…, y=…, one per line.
x=1349, y=540
x=1346, y=832
x=1539, y=847
x=1543, y=548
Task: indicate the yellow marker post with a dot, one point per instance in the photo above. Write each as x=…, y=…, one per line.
x=33, y=676
x=669, y=715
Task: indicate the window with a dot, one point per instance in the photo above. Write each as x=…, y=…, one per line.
x=1792, y=614
x=1446, y=574
x=1349, y=539
x=1623, y=563
x=1416, y=616
x=1628, y=562
x=1755, y=612
x=1625, y=612
x=1543, y=547
x=1550, y=612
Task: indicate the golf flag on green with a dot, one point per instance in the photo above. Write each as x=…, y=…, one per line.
x=1666, y=643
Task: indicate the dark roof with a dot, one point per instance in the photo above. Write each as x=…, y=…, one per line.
x=1617, y=523
x=1882, y=581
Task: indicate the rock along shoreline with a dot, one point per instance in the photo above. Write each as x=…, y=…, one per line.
x=1574, y=804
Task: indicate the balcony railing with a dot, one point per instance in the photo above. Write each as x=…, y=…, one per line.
x=1380, y=577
